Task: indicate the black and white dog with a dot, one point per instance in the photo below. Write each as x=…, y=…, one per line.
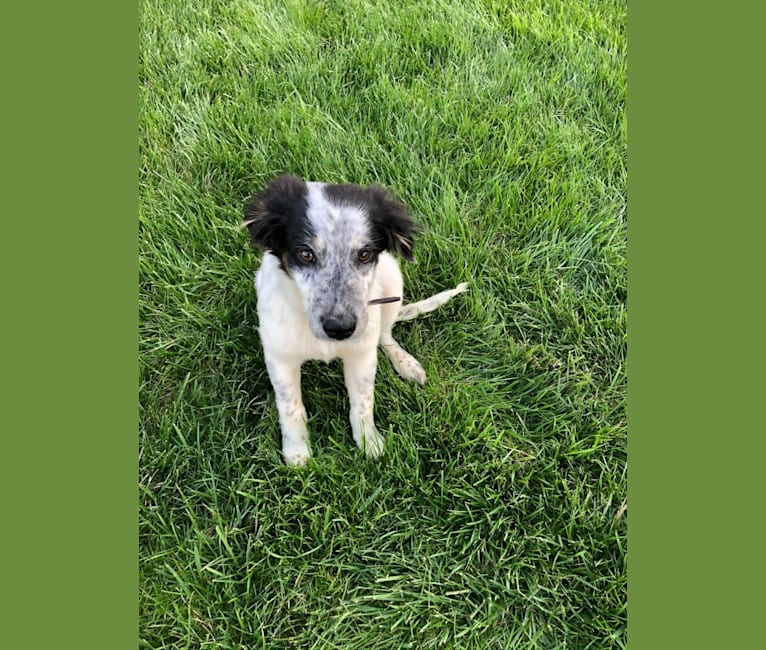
x=329, y=288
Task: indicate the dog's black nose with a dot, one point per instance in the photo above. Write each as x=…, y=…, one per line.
x=339, y=328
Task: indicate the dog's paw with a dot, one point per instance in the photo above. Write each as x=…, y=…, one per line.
x=411, y=370
x=296, y=454
x=408, y=367
x=372, y=444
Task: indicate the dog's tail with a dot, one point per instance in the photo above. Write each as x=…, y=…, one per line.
x=415, y=309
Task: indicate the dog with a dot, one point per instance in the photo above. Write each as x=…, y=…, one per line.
x=330, y=287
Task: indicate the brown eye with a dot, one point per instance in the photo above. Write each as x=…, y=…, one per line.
x=364, y=256
x=306, y=256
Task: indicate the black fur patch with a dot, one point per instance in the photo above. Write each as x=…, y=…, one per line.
x=276, y=218
x=393, y=227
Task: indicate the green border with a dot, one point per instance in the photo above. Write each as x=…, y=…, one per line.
x=695, y=281
x=70, y=453
x=70, y=366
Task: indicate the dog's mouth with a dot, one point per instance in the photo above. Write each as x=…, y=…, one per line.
x=383, y=301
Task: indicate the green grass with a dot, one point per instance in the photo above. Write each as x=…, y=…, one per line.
x=497, y=517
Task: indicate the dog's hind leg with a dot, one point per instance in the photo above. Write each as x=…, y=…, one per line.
x=403, y=362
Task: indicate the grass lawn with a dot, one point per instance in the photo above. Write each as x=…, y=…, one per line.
x=497, y=517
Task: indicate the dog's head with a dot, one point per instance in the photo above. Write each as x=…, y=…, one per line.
x=328, y=239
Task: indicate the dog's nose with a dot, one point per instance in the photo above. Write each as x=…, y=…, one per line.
x=339, y=328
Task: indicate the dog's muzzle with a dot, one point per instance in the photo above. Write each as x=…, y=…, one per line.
x=339, y=328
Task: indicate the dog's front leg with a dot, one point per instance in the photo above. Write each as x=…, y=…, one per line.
x=286, y=380
x=359, y=373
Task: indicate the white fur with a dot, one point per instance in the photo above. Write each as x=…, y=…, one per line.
x=291, y=334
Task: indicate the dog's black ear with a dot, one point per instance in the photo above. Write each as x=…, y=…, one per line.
x=268, y=214
x=393, y=224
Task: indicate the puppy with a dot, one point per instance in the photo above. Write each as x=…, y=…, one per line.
x=328, y=257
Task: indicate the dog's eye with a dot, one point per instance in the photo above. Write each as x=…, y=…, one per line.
x=306, y=256
x=364, y=255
